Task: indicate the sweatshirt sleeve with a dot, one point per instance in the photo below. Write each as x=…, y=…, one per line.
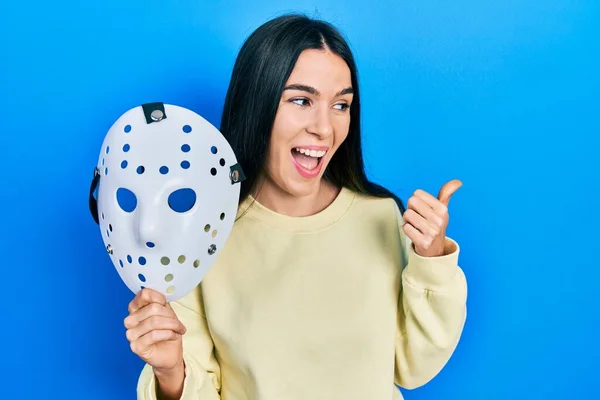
x=202, y=372
x=431, y=312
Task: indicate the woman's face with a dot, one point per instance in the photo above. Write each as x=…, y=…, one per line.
x=312, y=121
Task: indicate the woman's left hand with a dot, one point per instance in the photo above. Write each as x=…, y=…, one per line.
x=426, y=219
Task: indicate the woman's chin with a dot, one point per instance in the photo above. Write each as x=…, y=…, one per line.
x=299, y=186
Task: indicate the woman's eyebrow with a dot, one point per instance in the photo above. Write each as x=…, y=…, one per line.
x=304, y=88
x=315, y=92
x=342, y=92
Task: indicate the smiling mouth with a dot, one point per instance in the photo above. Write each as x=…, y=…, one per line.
x=307, y=158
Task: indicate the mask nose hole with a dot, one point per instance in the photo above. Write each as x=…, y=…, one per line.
x=150, y=244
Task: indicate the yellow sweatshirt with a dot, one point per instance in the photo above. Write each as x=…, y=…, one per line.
x=333, y=306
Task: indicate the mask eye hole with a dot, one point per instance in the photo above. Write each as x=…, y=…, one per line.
x=126, y=199
x=182, y=200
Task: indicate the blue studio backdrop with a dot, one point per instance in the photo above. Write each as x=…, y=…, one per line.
x=502, y=95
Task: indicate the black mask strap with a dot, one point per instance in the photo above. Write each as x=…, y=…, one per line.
x=93, y=202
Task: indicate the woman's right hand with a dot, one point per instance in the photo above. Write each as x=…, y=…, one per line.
x=154, y=331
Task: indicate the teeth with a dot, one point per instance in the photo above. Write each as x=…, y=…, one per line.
x=311, y=153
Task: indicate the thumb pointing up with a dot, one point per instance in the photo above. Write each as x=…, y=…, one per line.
x=426, y=220
x=448, y=190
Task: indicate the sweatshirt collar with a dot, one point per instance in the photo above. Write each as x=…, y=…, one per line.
x=325, y=218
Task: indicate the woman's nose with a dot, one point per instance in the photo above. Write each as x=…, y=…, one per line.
x=321, y=122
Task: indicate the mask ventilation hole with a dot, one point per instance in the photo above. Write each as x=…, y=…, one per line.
x=140, y=170
x=207, y=228
x=126, y=148
x=222, y=216
x=181, y=259
x=213, y=149
x=222, y=162
x=169, y=278
x=124, y=164
x=121, y=263
x=187, y=128
x=214, y=233
x=185, y=148
x=164, y=170
x=165, y=260
x=129, y=259
x=213, y=171
x=171, y=289
x=127, y=128
x=141, y=277
x=196, y=263
x=142, y=260
x=150, y=244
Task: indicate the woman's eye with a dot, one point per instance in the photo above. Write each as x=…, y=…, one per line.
x=300, y=102
x=342, y=106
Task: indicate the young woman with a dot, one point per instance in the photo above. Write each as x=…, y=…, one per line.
x=328, y=288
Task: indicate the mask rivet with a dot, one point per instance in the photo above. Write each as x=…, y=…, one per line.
x=235, y=176
x=109, y=249
x=157, y=115
x=212, y=249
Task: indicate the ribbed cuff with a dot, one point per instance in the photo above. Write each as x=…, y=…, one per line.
x=433, y=273
x=147, y=385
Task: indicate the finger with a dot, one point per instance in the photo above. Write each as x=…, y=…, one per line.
x=448, y=190
x=422, y=208
x=419, y=223
x=154, y=323
x=144, y=297
x=417, y=238
x=149, y=310
x=436, y=205
x=143, y=343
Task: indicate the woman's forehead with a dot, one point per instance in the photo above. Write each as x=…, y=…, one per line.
x=323, y=70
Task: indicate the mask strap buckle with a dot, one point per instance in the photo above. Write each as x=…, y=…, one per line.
x=236, y=174
x=154, y=112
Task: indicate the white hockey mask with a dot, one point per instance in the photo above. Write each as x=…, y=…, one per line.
x=168, y=193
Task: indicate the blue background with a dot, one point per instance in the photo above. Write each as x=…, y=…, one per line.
x=503, y=95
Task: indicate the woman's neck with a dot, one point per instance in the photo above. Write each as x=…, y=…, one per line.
x=280, y=201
